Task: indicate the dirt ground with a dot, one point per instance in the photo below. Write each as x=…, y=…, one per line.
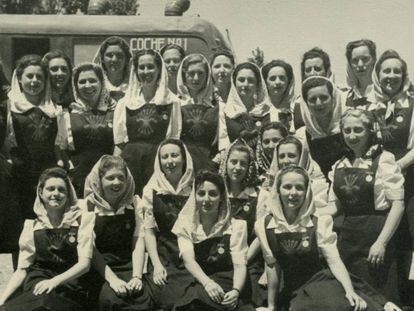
x=5, y=270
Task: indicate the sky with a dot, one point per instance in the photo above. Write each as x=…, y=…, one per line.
x=286, y=29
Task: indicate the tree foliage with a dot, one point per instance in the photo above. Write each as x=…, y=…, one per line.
x=258, y=57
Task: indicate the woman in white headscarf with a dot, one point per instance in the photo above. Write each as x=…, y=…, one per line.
x=361, y=56
x=222, y=66
x=321, y=110
x=86, y=133
x=213, y=246
x=114, y=56
x=247, y=108
x=292, y=236
x=34, y=119
x=55, y=249
x=163, y=198
x=200, y=111
x=148, y=114
x=118, y=259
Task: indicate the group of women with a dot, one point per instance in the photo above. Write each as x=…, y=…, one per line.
x=165, y=181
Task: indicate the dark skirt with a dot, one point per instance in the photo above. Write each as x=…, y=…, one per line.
x=257, y=292
x=67, y=297
x=324, y=292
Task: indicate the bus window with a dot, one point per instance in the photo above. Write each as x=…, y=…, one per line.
x=28, y=45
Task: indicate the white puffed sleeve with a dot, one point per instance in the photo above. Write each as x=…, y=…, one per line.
x=139, y=218
x=185, y=242
x=147, y=208
x=389, y=182
x=223, y=137
x=86, y=235
x=326, y=238
x=333, y=202
x=260, y=230
x=262, y=209
x=319, y=187
x=238, y=241
x=62, y=139
x=27, y=248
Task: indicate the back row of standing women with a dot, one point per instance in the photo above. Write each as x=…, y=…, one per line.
x=127, y=105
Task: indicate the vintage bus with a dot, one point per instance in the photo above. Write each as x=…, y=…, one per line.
x=80, y=35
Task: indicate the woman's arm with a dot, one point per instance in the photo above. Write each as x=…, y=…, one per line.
x=80, y=268
x=160, y=274
x=138, y=259
x=406, y=160
x=272, y=273
x=377, y=250
x=14, y=283
x=253, y=249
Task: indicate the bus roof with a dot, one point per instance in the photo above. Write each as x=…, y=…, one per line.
x=89, y=25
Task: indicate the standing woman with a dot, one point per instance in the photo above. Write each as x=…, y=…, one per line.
x=270, y=134
x=292, y=238
x=222, y=66
x=361, y=56
x=213, y=247
x=55, y=249
x=367, y=188
x=394, y=110
x=247, y=108
x=173, y=55
x=200, y=111
x=86, y=133
x=119, y=240
x=280, y=85
x=34, y=119
x=321, y=111
x=114, y=57
x=60, y=72
x=239, y=171
x=148, y=114
x=163, y=198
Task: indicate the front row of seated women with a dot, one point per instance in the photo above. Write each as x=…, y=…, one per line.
x=202, y=233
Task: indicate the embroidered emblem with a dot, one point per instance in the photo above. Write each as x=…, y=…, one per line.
x=350, y=188
x=40, y=125
x=146, y=120
x=94, y=126
x=386, y=129
x=289, y=246
x=56, y=243
x=195, y=121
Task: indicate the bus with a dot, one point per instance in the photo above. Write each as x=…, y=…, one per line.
x=80, y=35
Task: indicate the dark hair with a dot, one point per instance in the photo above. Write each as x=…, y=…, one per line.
x=87, y=67
x=250, y=66
x=109, y=162
x=274, y=126
x=29, y=60
x=388, y=54
x=291, y=169
x=363, y=42
x=118, y=41
x=313, y=82
x=178, y=143
x=56, y=172
x=315, y=53
x=193, y=59
x=57, y=54
x=172, y=46
x=278, y=63
x=290, y=140
x=154, y=54
x=204, y=175
x=223, y=52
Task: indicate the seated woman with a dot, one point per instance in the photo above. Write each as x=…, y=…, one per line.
x=119, y=241
x=222, y=66
x=86, y=133
x=291, y=237
x=60, y=73
x=200, y=111
x=239, y=171
x=247, y=108
x=114, y=56
x=269, y=135
x=280, y=85
x=55, y=249
x=367, y=188
x=213, y=247
x=173, y=55
x=35, y=125
x=163, y=198
x=321, y=111
x=148, y=114
x=291, y=151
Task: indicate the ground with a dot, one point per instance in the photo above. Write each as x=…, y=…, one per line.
x=6, y=270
